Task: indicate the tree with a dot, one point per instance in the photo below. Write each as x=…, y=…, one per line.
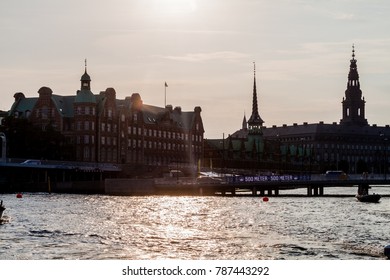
x=26, y=141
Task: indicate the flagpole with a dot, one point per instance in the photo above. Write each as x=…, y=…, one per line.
x=165, y=94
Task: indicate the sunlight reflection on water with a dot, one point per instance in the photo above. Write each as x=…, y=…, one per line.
x=61, y=226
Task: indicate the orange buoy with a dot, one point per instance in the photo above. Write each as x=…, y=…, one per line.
x=19, y=195
x=265, y=199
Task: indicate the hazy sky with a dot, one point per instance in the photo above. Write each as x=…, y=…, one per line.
x=204, y=50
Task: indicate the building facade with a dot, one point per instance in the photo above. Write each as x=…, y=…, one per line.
x=104, y=128
x=352, y=145
x=244, y=149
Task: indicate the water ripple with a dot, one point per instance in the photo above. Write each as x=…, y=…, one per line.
x=42, y=226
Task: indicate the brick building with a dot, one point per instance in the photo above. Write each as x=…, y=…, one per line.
x=106, y=129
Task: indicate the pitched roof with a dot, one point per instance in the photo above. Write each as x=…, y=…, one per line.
x=153, y=114
x=23, y=105
x=64, y=105
x=85, y=96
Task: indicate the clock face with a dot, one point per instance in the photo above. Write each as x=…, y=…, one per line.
x=85, y=84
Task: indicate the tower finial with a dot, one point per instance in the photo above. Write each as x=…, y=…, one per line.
x=85, y=62
x=254, y=68
x=353, y=51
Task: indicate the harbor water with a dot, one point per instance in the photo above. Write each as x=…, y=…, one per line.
x=42, y=226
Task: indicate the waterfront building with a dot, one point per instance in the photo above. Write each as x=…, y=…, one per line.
x=352, y=145
x=103, y=128
x=244, y=148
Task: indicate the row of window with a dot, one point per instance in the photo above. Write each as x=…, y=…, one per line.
x=85, y=110
x=106, y=155
x=345, y=146
x=92, y=111
x=90, y=125
x=90, y=139
x=85, y=126
x=108, y=140
x=354, y=147
x=44, y=113
x=86, y=139
x=335, y=157
x=133, y=144
x=131, y=130
x=107, y=127
x=155, y=159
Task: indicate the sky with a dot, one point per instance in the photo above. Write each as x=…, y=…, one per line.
x=205, y=51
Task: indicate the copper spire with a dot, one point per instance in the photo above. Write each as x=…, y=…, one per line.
x=255, y=119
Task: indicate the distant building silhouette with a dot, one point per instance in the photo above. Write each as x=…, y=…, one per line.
x=244, y=148
x=352, y=145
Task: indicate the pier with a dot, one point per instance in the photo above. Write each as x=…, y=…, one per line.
x=71, y=177
x=275, y=188
x=54, y=176
x=315, y=187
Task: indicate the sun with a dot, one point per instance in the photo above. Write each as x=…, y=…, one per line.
x=172, y=7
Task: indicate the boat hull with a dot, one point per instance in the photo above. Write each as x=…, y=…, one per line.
x=369, y=198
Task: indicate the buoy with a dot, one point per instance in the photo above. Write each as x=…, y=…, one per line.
x=387, y=251
x=265, y=199
x=19, y=195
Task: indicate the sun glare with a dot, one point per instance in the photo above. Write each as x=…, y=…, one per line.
x=172, y=7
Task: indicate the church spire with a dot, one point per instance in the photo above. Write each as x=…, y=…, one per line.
x=255, y=122
x=254, y=102
x=353, y=76
x=244, y=123
x=353, y=103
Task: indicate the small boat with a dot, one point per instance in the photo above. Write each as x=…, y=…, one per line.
x=363, y=195
x=368, y=197
x=2, y=208
x=387, y=251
